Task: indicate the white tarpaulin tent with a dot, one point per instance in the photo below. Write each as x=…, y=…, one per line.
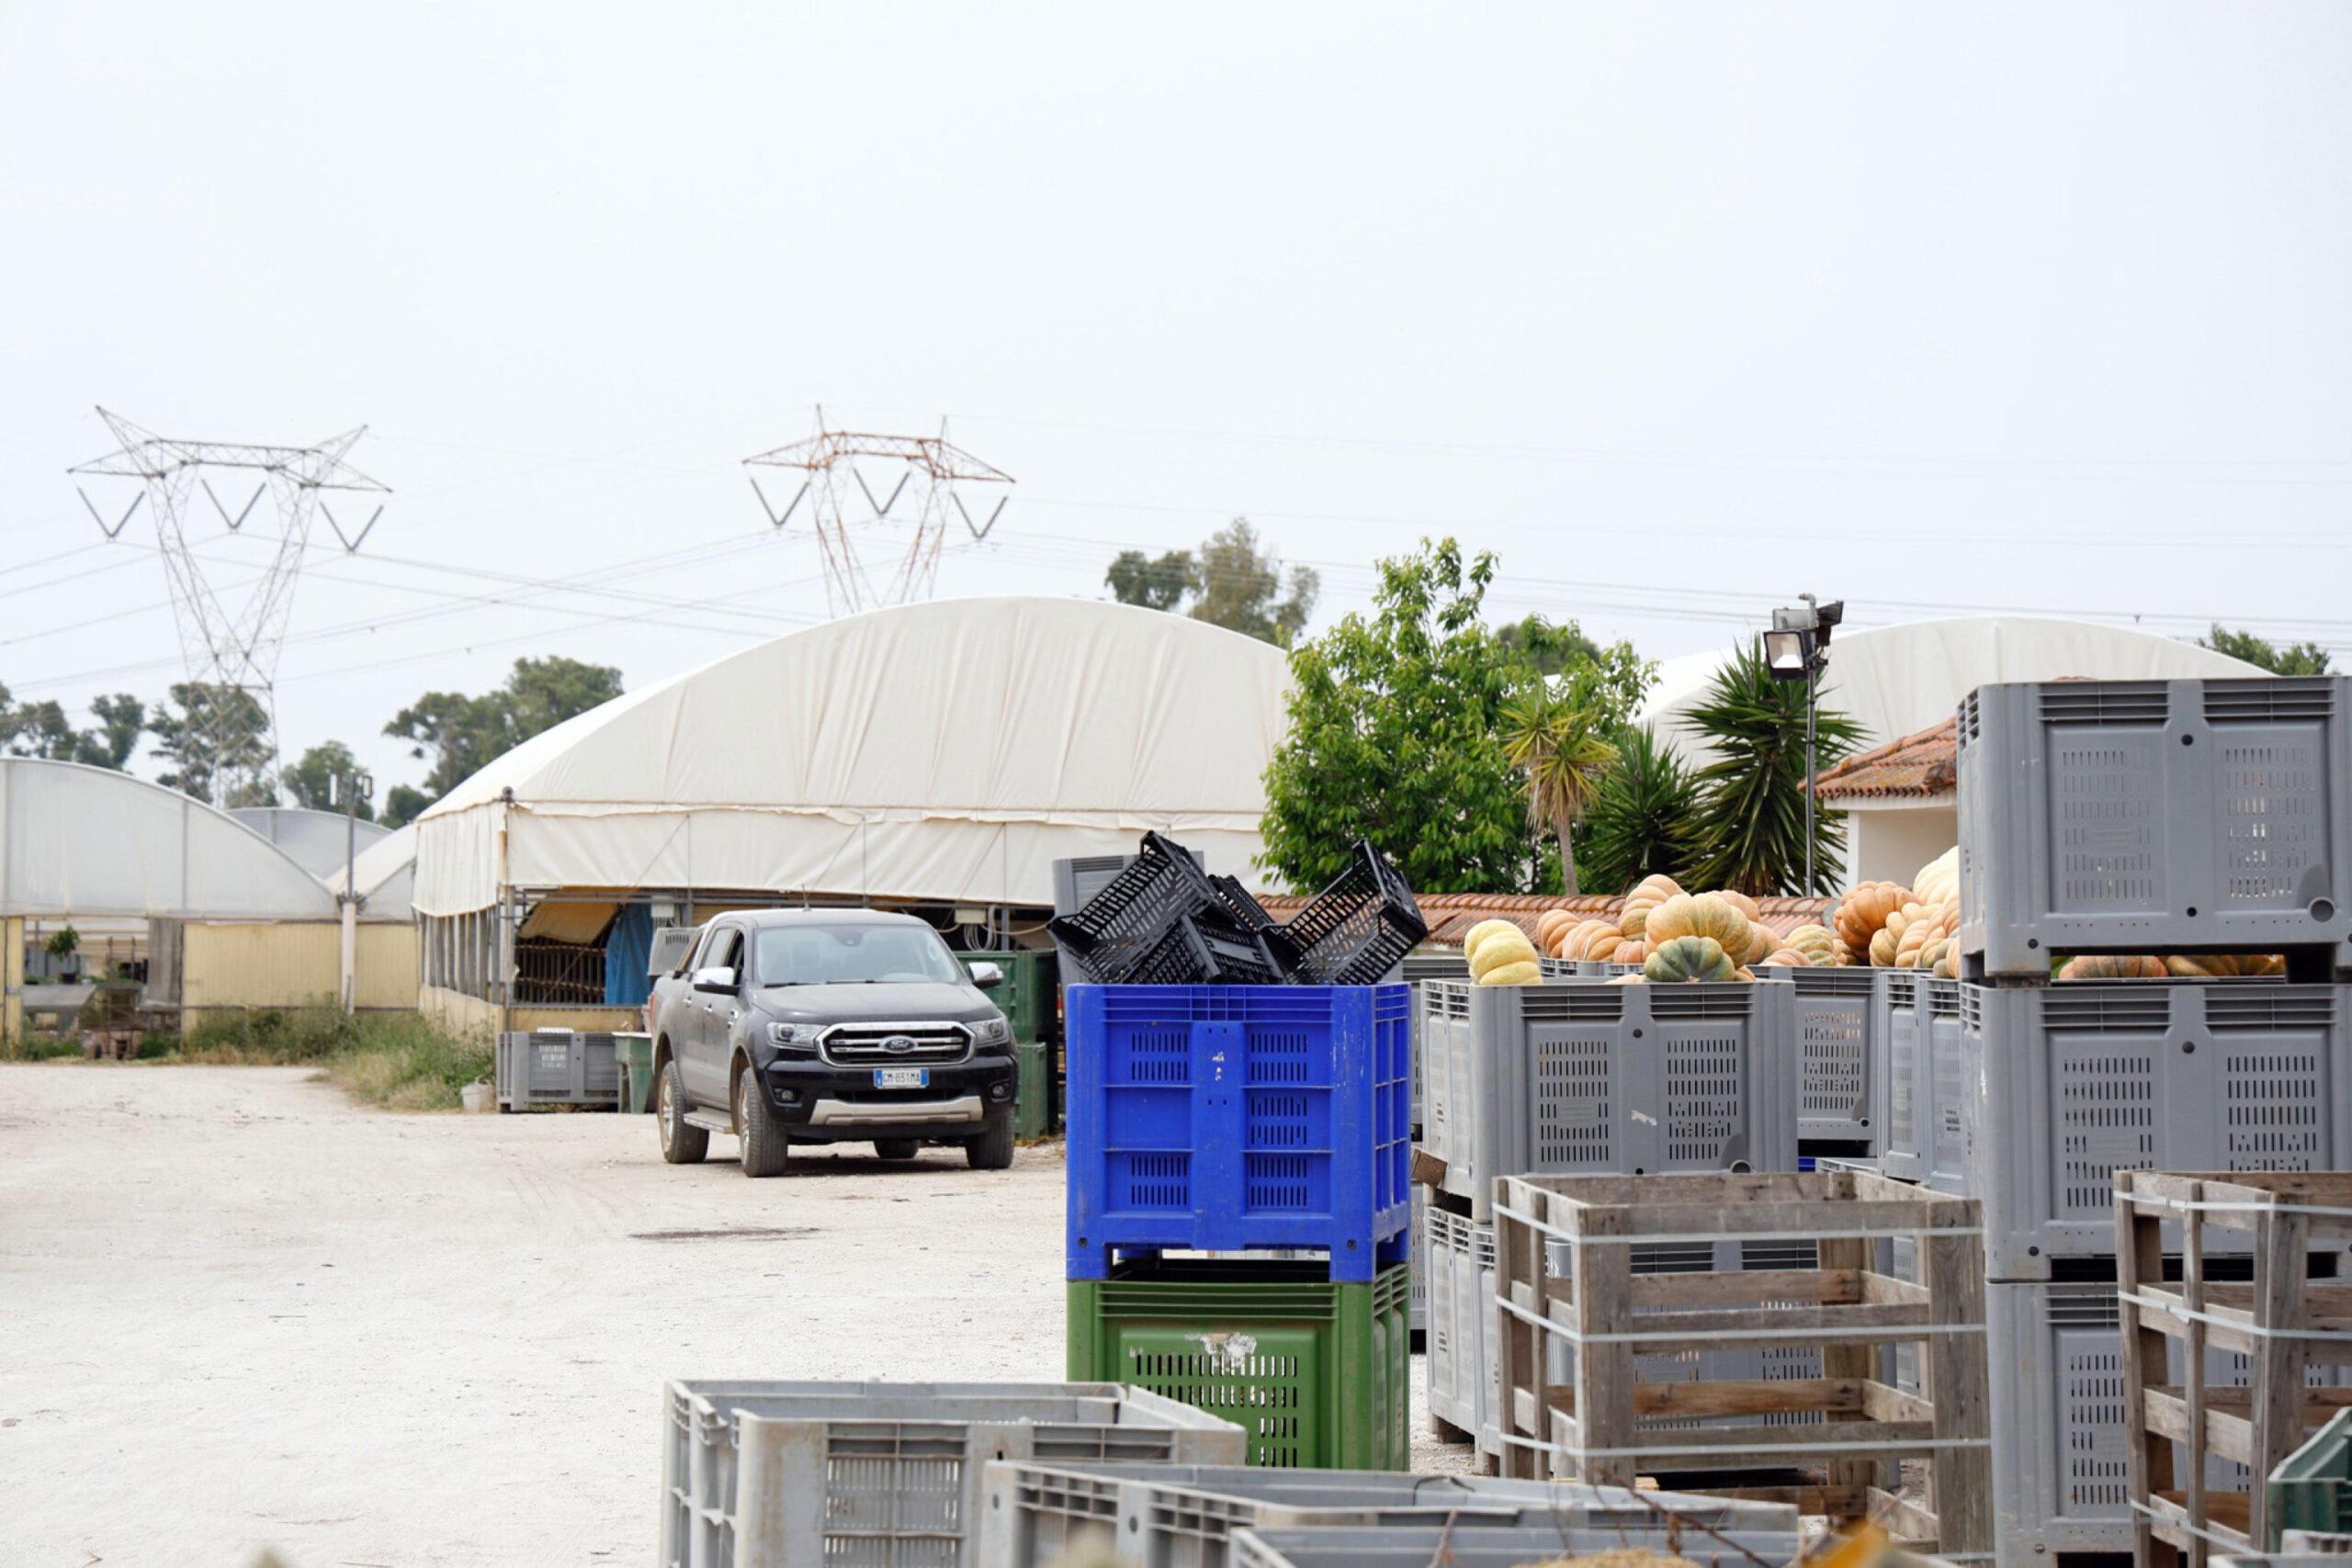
x=81, y=840
x=1896, y=680
x=946, y=750
x=317, y=839
x=385, y=876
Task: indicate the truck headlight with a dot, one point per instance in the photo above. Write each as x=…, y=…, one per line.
x=990, y=1031
x=793, y=1036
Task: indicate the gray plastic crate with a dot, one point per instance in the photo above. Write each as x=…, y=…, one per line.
x=1916, y=1031
x=1836, y=1055
x=1583, y=969
x=1579, y=1079
x=2150, y=816
x=1464, y=1379
x=2056, y=1356
x=2065, y=1084
x=1418, y=1319
x=557, y=1066
x=1471, y=1545
x=887, y=1475
x=1183, y=1515
x=1416, y=968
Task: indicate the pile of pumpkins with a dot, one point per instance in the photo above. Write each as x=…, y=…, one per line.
x=2177, y=966
x=1890, y=926
x=1674, y=936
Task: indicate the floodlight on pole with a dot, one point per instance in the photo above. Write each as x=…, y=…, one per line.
x=1797, y=648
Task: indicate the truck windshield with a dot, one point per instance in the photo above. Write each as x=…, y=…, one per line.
x=849, y=954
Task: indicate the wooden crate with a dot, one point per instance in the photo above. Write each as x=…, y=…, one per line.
x=2284, y=1320
x=1563, y=1248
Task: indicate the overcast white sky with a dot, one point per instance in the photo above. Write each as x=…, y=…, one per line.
x=1680, y=309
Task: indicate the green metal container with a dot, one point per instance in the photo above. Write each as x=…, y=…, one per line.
x=634, y=1054
x=1029, y=995
x=1033, y=1092
x=1318, y=1374
x=2311, y=1488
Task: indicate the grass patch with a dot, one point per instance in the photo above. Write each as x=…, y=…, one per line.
x=396, y=1060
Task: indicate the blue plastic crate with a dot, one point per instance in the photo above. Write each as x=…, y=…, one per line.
x=1240, y=1118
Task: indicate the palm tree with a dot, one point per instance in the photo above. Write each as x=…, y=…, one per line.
x=1553, y=736
x=1645, y=819
x=1752, y=793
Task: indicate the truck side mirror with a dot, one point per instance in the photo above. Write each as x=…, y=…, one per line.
x=721, y=979
x=986, y=976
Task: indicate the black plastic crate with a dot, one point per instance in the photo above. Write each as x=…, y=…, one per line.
x=1165, y=922
x=1359, y=929
x=1204, y=950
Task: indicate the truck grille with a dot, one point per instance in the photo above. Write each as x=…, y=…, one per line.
x=889, y=1045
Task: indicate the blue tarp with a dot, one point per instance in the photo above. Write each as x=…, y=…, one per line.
x=628, y=951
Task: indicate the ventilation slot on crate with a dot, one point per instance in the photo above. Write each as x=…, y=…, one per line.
x=2268, y=700
x=2275, y=1110
x=1702, y=1098
x=1153, y=1181
x=1972, y=719
x=1572, y=1004
x=2263, y=1009
x=2107, y=1118
x=1574, y=1121
x=2107, y=702
x=2106, y=1011
x=1701, y=1002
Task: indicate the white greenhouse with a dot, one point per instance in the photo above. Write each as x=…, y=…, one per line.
x=938, y=757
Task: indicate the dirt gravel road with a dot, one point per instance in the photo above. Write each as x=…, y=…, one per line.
x=240, y=1311
x=237, y=1313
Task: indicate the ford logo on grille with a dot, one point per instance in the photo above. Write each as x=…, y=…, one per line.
x=898, y=1044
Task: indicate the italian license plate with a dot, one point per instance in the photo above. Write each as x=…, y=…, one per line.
x=902, y=1078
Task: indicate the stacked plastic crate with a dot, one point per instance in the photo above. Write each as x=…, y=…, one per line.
x=1581, y=1076
x=2166, y=818
x=1239, y=1200
x=1029, y=994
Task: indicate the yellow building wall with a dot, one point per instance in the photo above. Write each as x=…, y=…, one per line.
x=293, y=964
x=461, y=1014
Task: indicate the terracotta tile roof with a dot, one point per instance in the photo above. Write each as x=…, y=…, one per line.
x=1451, y=915
x=1919, y=765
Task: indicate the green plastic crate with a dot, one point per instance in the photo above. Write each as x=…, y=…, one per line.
x=633, y=1054
x=1029, y=996
x=1318, y=1374
x=1032, y=1091
x=2311, y=1488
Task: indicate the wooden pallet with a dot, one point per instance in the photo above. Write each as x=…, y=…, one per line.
x=1605, y=1427
x=2280, y=1320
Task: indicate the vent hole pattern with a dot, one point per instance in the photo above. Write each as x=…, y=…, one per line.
x=1703, y=1098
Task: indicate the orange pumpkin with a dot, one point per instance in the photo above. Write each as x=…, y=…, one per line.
x=2112, y=966
x=1648, y=894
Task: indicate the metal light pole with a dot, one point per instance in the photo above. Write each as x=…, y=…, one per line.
x=354, y=786
x=1797, y=648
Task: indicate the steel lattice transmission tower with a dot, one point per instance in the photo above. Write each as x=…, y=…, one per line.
x=934, y=465
x=229, y=635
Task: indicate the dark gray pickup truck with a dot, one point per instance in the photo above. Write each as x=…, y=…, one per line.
x=826, y=1026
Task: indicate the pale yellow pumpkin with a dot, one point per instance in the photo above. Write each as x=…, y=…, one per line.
x=1527, y=973
x=1499, y=951
x=1818, y=943
x=1648, y=894
x=1787, y=958
x=1482, y=931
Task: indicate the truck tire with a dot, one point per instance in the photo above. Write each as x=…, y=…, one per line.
x=766, y=1150
x=992, y=1150
x=896, y=1148
x=680, y=1145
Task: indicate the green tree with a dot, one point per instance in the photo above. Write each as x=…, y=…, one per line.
x=1161, y=584
x=1752, y=792
x=459, y=733
x=1243, y=588
x=123, y=719
x=1645, y=816
x=1234, y=582
x=404, y=805
x=312, y=781
x=218, y=741
x=2302, y=658
x=1396, y=723
x=1552, y=734
x=37, y=729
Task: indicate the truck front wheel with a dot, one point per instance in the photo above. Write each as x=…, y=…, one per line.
x=680, y=1145
x=992, y=1150
x=766, y=1151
